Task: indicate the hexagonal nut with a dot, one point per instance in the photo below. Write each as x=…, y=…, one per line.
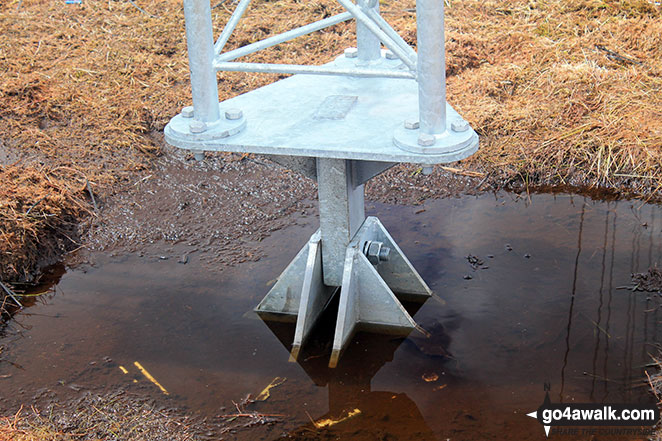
x=234, y=114
x=459, y=125
x=351, y=52
x=197, y=126
x=426, y=140
x=187, y=112
x=412, y=124
x=390, y=55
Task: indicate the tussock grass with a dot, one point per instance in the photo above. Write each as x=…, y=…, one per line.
x=562, y=93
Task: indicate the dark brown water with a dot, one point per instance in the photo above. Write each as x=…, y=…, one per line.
x=549, y=308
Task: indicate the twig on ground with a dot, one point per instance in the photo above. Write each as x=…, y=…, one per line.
x=11, y=294
x=142, y=10
x=89, y=190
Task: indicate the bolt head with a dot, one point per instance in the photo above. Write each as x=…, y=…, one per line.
x=233, y=114
x=426, y=140
x=390, y=55
x=199, y=156
x=351, y=52
x=187, y=112
x=412, y=124
x=459, y=125
x=427, y=170
x=197, y=126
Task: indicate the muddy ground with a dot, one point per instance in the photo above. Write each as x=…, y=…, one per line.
x=569, y=95
x=224, y=206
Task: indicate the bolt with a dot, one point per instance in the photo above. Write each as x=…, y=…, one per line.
x=460, y=125
x=384, y=254
x=197, y=126
x=187, y=112
x=376, y=252
x=233, y=114
x=390, y=55
x=426, y=140
x=427, y=170
x=412, y=124
x=351, y=52
x=199, y=155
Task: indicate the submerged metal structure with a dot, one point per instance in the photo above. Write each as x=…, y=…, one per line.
x=341, y=124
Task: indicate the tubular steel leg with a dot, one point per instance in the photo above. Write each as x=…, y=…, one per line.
x=200, y=42
x=341, y=213
x=367, y=43
x=431, y=66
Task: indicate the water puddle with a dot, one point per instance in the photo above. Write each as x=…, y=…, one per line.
x=541, y=300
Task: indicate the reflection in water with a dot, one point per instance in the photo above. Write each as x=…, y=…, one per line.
x=354, y=410
x=547, y=305
x=572, y=300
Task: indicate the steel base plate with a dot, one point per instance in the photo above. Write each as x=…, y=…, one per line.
x=326, y=117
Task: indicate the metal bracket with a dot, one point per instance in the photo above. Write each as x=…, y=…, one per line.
x=368, y=298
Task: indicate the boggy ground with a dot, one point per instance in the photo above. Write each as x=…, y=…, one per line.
x=563, y=93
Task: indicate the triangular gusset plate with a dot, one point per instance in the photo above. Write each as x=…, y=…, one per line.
x=367, y=303
x=398, y=273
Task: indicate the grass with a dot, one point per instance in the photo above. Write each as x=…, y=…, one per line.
x=563, y=93
x=115, y=415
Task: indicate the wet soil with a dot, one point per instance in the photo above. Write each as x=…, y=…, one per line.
x=224, y=206
x=546, y=305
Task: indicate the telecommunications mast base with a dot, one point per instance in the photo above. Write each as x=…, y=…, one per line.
x=341, y=124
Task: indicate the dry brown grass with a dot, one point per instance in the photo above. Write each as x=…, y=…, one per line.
x=115, y=415
x=38, y=213
x=553, y=100
x=561, y=92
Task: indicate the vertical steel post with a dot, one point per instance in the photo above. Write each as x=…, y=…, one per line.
x=200, y=42
x=341, y=207
x=369, y=47
x=431, y=66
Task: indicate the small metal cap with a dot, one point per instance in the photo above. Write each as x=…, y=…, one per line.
x=412, y=124
x=187, y=112
x=199, y=155
x=390, y=55
x=233, y=114
x=197, y=126
x=426, y=140
x=351, y=52
x=459, y=125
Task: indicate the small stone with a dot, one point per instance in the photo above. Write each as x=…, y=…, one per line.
x=527, y=256
x=508, y=247
x=467, y=277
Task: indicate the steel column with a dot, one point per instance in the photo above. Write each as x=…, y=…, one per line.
x=431, y=66
x=200, y=42
x=369, y=46
x=341, y=207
